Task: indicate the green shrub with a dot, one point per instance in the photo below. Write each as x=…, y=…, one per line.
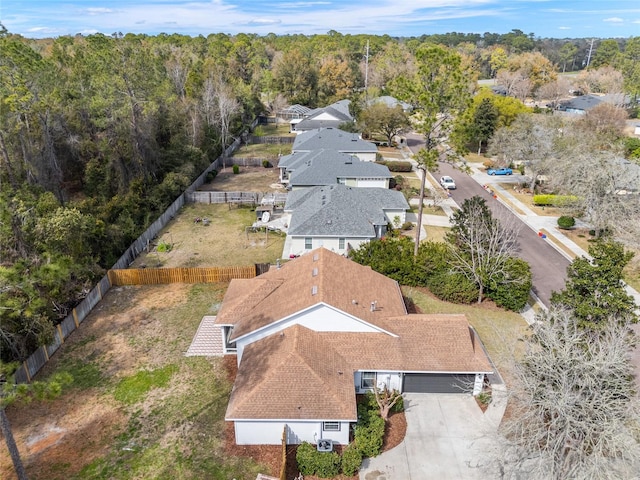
x=453, y=287
x=211, y=175
x=511, y=289
x=397, y=166
x=545, y=200
x=398, y=406
x=484, y=398
x=392, y=257
x=267, y=164
x=236, y=169
x=327, y=464
x=369, y=437
x=312, y=462
x=305, y=457
x=566, y=221
x=407, y=226
x=164, y=247
x=351, y=460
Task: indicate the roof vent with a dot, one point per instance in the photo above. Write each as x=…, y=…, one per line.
x=374, y=305
x=314, y=272
x=315, y=257
x=314, y=290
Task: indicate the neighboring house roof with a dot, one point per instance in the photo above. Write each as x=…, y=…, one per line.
x=252, y=304
x=325, y=167
x=330, y=116
x=338, y=210
x=295, y=110
x=332, y=139
x=584, y=102
x=391, y=102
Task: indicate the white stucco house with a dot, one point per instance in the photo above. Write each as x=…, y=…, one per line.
x=337, y=140
x=340, y=218
x=314, y=332
x=328, y=167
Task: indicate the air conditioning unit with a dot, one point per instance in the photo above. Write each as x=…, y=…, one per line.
x=325, y=445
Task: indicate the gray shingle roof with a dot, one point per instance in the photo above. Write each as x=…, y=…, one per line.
x=332, y=139
x=339, y=111
x=337, y=210
x=325, y=167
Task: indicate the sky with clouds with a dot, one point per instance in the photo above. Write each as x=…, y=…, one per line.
x=544, y=18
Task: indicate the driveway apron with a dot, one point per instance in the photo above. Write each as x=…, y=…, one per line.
x=447, y=438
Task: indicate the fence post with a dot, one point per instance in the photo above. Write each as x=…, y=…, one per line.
x=75, y=318
x=26, y=371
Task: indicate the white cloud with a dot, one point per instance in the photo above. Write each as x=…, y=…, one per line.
x=564, y=28
x=613, y=20
x=264, y=21
x=98, y=11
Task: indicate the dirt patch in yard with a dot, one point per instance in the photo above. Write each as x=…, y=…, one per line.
x=249, y=179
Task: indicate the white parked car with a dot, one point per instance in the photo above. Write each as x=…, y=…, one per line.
x=447, y=183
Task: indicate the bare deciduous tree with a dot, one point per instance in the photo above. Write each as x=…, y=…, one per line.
x=574, y=409
x=604, y=119
x=482, y=246
x=602, y=80
x=517, y=84
x=551, y=93
x=386, y=399
x=529, y=140
x=602, y=182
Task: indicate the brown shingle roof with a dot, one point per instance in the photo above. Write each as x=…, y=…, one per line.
x=294, y=374
x=423, y=343
x=337, y=281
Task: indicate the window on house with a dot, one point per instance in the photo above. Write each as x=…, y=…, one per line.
x=341, y=243
x=368, y=380
x=308, y=243
x=331, y=426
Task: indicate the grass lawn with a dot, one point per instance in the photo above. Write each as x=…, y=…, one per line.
x=263, y=150
x=273, y=130
x=138, y=408
x=499, y=329
x=224, y=242
x=475, y=158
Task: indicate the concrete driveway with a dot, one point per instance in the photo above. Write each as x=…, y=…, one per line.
x=448, y=437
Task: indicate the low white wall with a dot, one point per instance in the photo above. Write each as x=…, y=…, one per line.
x=270, y=432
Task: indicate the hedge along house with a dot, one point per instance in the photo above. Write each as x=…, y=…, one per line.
x=319, y=329
x=340, y=218
x=329, y=167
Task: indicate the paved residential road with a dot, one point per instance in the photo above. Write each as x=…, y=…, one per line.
x=548, y=266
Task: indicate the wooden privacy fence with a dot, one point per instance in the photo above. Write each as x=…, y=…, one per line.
x=272, y=139
x=156, y=276
x=252, y=198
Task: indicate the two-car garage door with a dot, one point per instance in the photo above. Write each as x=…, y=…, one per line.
x=438, y=383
